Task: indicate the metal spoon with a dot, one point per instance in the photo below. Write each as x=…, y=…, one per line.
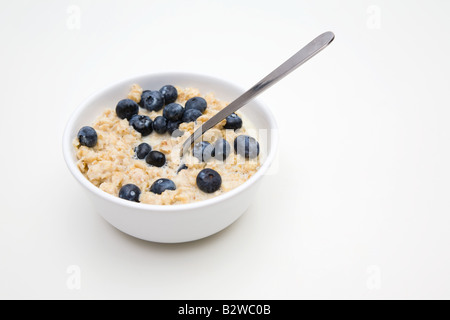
x=306, y=53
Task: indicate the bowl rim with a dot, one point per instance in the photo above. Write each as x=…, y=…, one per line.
x=67, y=145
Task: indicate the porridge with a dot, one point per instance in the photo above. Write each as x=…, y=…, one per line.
x=133, y=151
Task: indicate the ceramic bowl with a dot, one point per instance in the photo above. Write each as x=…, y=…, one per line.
x=176, y=223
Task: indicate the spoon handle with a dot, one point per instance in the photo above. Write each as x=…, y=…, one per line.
x=306, y=53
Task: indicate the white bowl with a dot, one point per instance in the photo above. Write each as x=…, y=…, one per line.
x=176, y=223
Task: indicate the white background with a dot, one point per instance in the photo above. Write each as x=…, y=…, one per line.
x=359, y=207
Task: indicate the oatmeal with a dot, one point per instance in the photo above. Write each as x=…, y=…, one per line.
x=134, y=151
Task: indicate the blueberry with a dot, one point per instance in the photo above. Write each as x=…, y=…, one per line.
x=126, y=108
x=160, y=124
x=173, y=112
x=203, y=151
x=172, y=128
x=169, y=93
x=233, y=122
x=246, y=146
x=142, y=124
x=209, y=180
x=182, y=167
x=87, y=136
x=152, y=100
x=130, y=192
x=191, y=115
x=196, y=103
x=222, y=149
x=156, y=158
x=161, y=185
x=142, y=150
